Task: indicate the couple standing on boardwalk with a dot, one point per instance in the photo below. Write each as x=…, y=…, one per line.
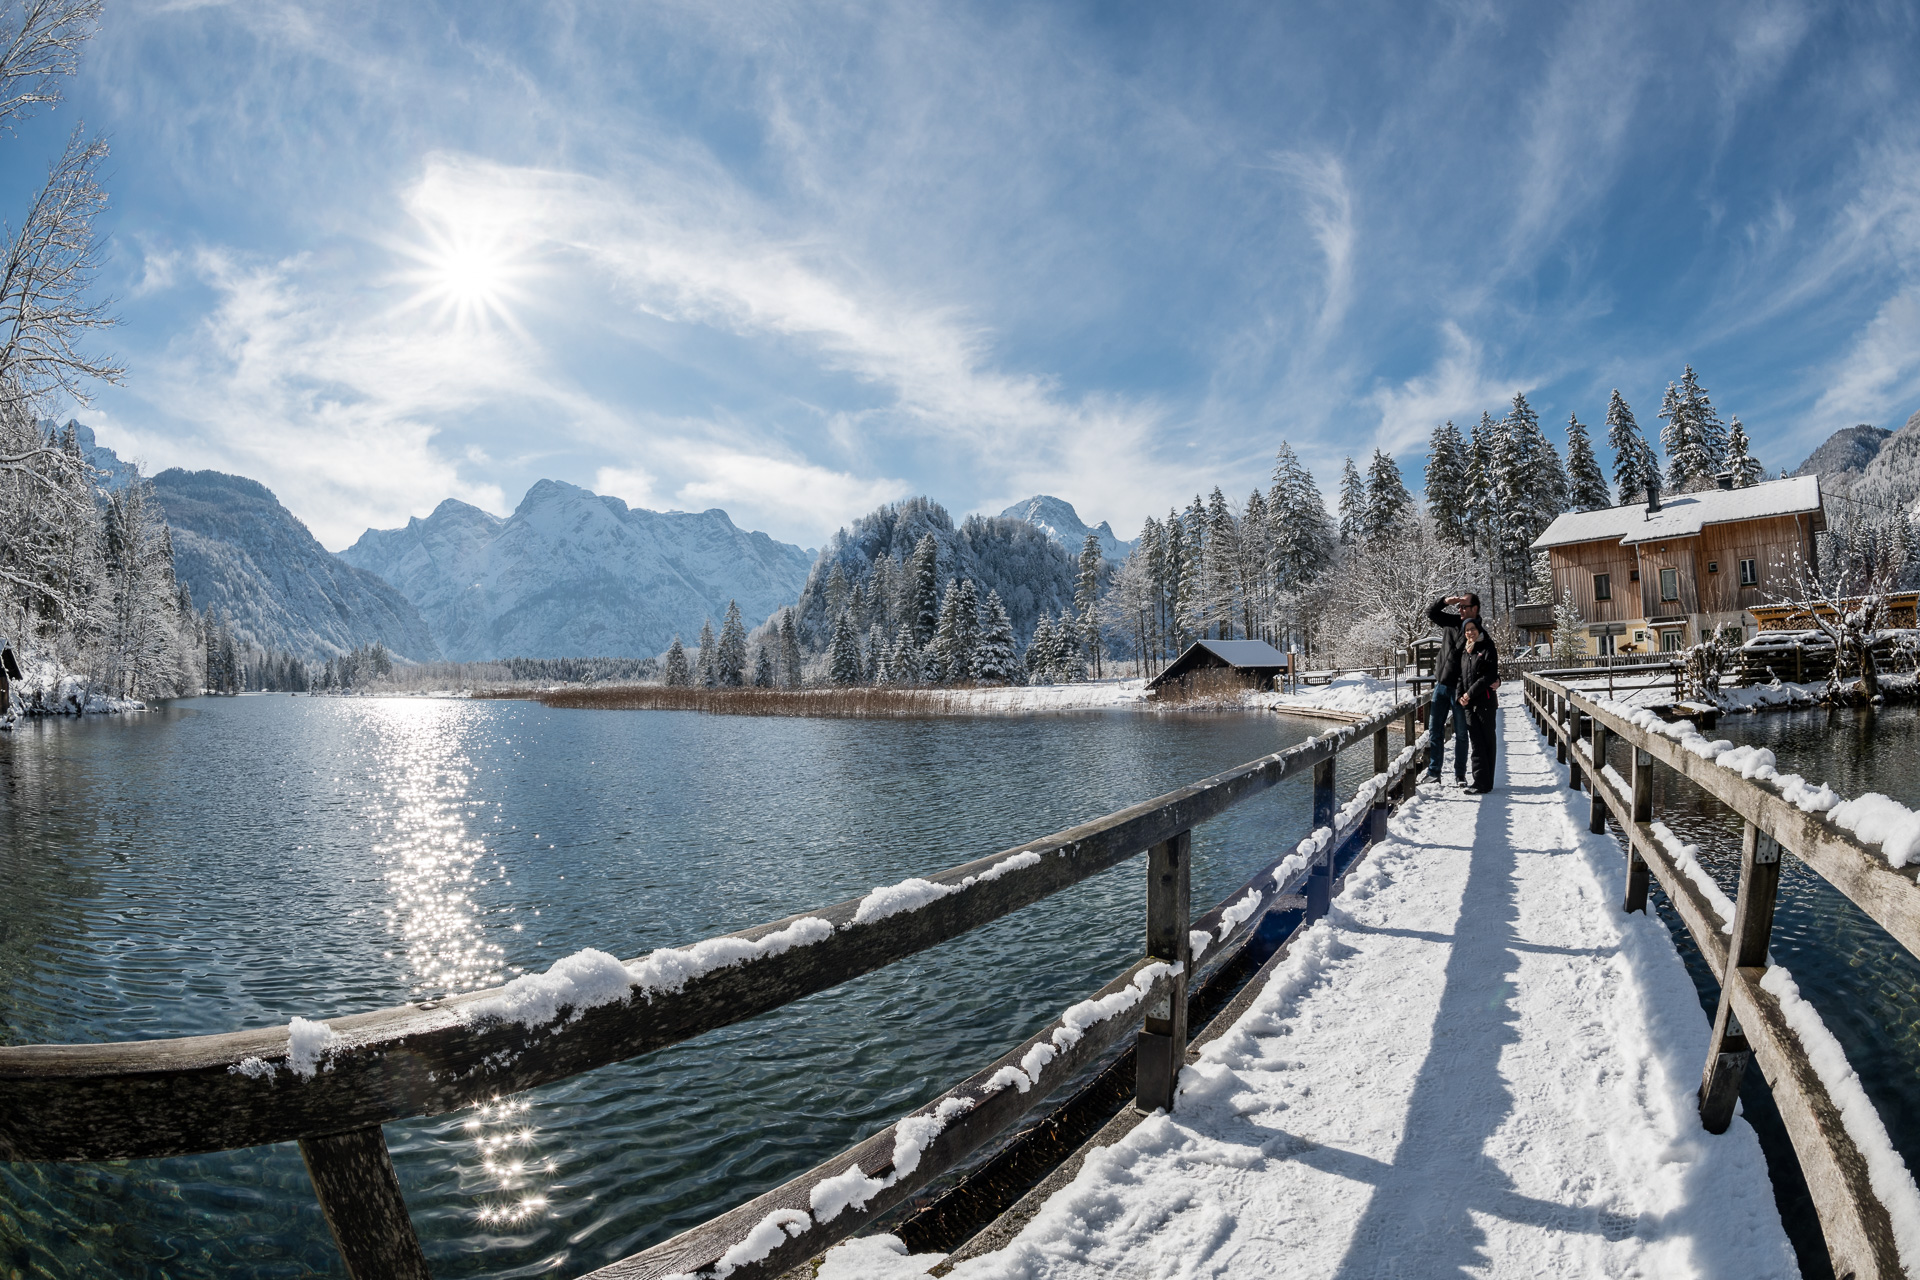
x=1465, y=678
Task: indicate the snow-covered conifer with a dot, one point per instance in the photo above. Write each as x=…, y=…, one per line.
x=792, y=673
x=1587, y=483
x=706, y=667
x=1446, y=483
x=679, y=675
x=1693, y=437
x=763, y=677
x=1353, y=505
x=994, y=661
x=924, y=604
x=843, y=653
x=1388, y=504
x=1043, y=653
x=903, y=659
x=1303, y=536
x=1086, y=592
x=730, y=656
x=877, y=670
x=1568, y=642
x=1740, y=461
x=1633, y=458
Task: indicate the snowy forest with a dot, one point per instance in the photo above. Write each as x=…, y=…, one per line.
x=903, y=597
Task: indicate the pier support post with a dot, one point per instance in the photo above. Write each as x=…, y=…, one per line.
x=1637, y=875
x=1559, y=708
x=360, y=1196
x=1597, y=807
x=1161, y=1049
x=1377, y=817
x=1729, y=1053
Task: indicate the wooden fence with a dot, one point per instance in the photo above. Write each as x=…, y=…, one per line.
x=1749, y=1025
x=155, y=1098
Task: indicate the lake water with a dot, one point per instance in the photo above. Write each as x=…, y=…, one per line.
x=229, y=863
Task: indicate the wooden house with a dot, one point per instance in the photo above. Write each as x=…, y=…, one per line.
x=1661, y=576
x=1252, y=663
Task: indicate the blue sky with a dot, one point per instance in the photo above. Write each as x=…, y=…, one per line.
x=796, y=260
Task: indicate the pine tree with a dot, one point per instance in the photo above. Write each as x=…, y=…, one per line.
x=678, y=674
x=1179, y=563
x=1303, y=537
x=1482, y=476
x=958, y=634
x=707, y=666
x=1043, y=653
x=1746, y=471
x=1223, y=566
x=763, y=677
x=1086, y=594
x=792, y=672
x=730, y=658
x=1693, y=437
x=1388, y=504
x=1192, y=605
x=994, y=663
x=1446, y=483
x=838, y=590
x=1633, y=458
x=903, y=659
x=1256, y=553
x=1071, y=665
x=923, y=607
x=876, y=670
x=843, y=653
x=1353, y=505
x=1588, y=484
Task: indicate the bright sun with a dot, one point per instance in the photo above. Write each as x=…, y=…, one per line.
x=468, y=277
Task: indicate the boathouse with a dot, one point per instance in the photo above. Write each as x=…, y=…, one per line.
x=1660, y=576
x=1250, y=663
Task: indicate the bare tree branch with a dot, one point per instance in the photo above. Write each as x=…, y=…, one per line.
x=40, y=42
x=48, y=265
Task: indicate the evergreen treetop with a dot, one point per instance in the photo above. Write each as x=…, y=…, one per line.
x=1587, y=483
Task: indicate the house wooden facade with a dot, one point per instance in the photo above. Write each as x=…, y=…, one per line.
x=1662, y=577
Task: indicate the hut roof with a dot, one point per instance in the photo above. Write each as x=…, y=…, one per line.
x=1241, y=655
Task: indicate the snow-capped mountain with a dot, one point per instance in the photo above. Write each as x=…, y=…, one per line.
x=113, y=473
x=241, y=552
x=1874, y=467
x=574, y=574
x=1063, y=524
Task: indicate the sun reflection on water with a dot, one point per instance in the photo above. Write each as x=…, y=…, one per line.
x=443, y=882
x=434, y=863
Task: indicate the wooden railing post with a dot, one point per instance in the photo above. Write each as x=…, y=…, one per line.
x=360, y=1196
x=1637, y=874
x=1377, y=818
x=1320, y=880
x=1574, y=721
x=1161, y=1049
x=1597, y=807
x=1729, y=1053
x=1559, y=706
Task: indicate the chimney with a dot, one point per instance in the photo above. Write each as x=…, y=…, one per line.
x=1653, y=495
x=1724, y=479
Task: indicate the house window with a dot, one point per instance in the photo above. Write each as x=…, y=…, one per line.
x=1669, y=584
x=1639, y=637
x=1603, y=586
x=1670, y=640
x=1749, y=573
x=1713, y=566
x=1606, y=644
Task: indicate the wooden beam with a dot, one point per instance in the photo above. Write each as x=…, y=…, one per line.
x=182, y=1096
x=360, y=1196
x=1888, y=894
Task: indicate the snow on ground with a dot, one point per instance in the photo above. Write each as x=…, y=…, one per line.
x=1089, y=696
x=1353, y=695
x=1475, y=1065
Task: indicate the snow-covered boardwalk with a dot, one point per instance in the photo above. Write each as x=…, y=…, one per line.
x=1475, y=1065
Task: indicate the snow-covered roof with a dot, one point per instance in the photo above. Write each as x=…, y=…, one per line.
x=1684, y=514
x=1244, y=653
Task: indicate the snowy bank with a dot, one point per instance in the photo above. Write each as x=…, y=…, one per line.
x=47, y=689
x=1348, y=697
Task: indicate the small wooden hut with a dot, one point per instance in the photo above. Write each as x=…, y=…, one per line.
x=1252, y=664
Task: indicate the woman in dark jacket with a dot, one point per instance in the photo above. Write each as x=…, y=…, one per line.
x=1479, y=672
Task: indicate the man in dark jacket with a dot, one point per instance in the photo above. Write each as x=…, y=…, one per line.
x=1447, y=689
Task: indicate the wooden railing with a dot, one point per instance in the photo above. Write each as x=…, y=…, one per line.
x=1749, y=1025
x=155, y=1098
